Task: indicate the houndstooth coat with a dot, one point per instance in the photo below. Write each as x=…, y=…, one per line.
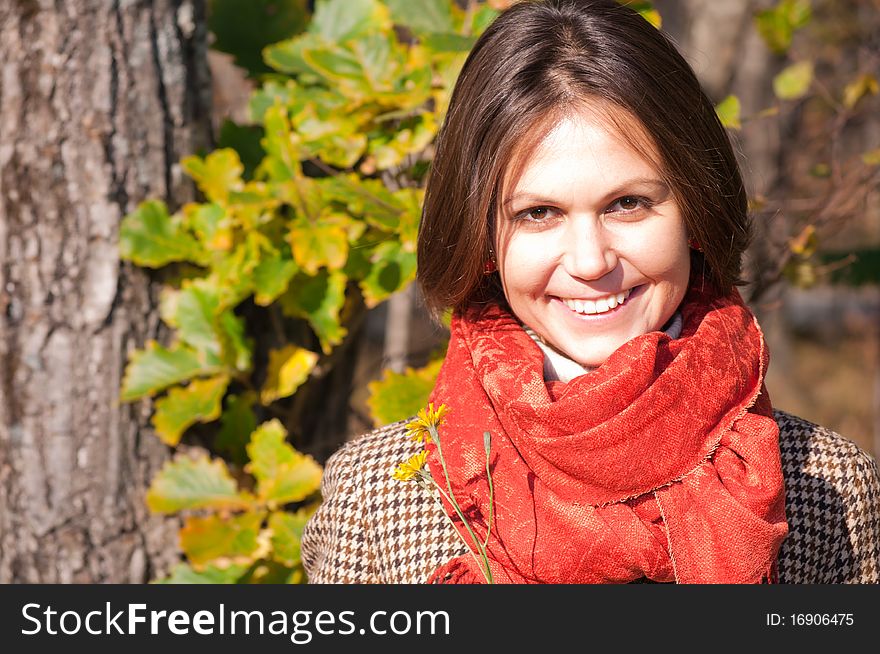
x=373, y=529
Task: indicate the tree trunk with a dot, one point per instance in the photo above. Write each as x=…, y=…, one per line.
x=98, y=101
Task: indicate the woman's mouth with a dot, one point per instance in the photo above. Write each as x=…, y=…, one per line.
x=597, y=306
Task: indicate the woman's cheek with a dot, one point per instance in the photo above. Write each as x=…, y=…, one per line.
x=528, y=266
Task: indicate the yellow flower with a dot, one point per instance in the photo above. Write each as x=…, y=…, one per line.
x=411, y=467
x=419, y=429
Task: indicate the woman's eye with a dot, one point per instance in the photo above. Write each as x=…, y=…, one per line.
x=535, y=214
x=629, y=203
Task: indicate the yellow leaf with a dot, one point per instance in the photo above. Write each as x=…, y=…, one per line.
x=183, y=573
x=728, y=111
x=234, y=538
x=287, y=531
x=397, y=396
x=794, y=82
x=288, y=368
x=317, y=245
x=864, y=84
x=283, y=474
x=872, y=157
x=150, y=237
x=169, y=300
x=183, y=407
x=200, y=483
x=653, y=17
x=217, y=174
x=820, y=169
x=155, y=368
x=804, y=244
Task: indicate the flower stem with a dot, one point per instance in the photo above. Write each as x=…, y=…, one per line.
x=447, y=516
x=487, y=572
x=491, y=501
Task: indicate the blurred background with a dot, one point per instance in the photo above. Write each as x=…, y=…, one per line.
x=207, y=224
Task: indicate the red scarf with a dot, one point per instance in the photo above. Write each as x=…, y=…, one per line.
x=661, y=463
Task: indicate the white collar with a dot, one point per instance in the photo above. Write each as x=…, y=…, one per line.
x=558, y=367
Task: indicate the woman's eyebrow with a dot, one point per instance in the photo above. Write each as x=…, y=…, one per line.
x=657, y=185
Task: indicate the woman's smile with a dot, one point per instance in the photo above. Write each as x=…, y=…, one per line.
x=598, y=306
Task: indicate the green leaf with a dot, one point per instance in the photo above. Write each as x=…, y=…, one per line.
x=274, y=91
x=338, y=64
x=183, y=407
x=217, y=174
x=317, y=245
x=484, y=16
x=728, y=111
x=398, y=396
x=193, y=311
x=341, y=20
x=358, y=265
x=283, y=474
x=183, y=573
x=375, y=57
x=150, y=237
x=285, y=57
x=243, y=29
x=288, y=369
x=340, y=150
x=794, y=82
x=319, y=299
x=232, y=275
x=287, y=529
x=422, y=16
x=305, y=195
x=269, y=571
x=448, y=42
x=283, y=147
x=200, y=483
x=271, y=278
x=393, y=268
x=214, y=537
x=411, y=200
x=236, y=347
x=150, y=370
x=365, y=197
x=414, y=135
x=778, y=24
x=211, y=224
x=373, y=69
x=236, y=425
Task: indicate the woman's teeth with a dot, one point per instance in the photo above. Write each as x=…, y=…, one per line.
x=596, y=306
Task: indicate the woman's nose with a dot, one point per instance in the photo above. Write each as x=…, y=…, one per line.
x=588, y=249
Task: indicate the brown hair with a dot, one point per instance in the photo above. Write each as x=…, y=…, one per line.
x=536, y=62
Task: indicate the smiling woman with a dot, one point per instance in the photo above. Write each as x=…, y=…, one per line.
x=586, y=220
x=592, y=248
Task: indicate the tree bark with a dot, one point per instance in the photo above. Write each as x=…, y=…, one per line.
x=98, y=101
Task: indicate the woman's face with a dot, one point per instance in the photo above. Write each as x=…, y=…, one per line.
x=591, y=246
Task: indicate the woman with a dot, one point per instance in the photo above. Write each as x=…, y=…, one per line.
x=586, y=219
